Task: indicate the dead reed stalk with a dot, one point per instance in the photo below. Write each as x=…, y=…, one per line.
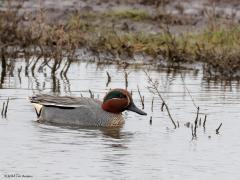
x=108, y=79
x=153, y=88
x=204, y=122
x=91, y=94
x=6, y=108
x=152, y=104
x=195, y=124
x=141, y=97
x=217, y=130
x=126, y=79
x=3, y=109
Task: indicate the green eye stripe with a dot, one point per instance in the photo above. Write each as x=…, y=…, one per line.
x=114, y=94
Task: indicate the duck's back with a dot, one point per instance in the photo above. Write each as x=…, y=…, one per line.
x=79, y=111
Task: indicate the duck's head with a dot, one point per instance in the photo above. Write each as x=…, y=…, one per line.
x=119, y=100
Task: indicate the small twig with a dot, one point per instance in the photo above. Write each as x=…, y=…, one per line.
x=6, y=108
x=143, y=101
x=91, y=94
x=67, y=67
x=217, y=130
x=195, y=123
x=204, y=122
x=19, y=74
x=108, y=80
x=3, y=108
x=163, y=104
x=152, y=104
x=192, y=131
x=126, y=79
x=155, y=90
x=141, y=97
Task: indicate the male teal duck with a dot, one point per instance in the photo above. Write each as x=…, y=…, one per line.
x=83, y=111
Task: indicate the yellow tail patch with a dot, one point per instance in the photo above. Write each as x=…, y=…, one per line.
x=38, y=108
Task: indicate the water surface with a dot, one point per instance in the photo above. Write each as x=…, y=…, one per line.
x=138, y=150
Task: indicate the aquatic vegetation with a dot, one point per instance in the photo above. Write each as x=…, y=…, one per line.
x=217, y=48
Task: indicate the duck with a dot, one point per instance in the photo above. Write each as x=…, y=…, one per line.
x=84, y=111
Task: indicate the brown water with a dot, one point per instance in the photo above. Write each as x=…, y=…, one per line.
x=138, y=150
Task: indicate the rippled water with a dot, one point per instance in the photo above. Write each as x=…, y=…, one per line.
x=138, y=150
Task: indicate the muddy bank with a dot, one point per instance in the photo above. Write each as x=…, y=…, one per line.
x=169, y=34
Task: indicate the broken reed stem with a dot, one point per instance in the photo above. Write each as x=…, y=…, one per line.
x=109, y=79
x=126, y=79
x=154, y=88
x=6, y=108
x=162, y=106
x=195, y=123
x=19, y=74
x=3, y=108
x=204, y=122
x=192, y=131
x=91, y=94
x=217, y=130
x=152, y=104
x=141, y=97
x=169, y=114
x=67, y=68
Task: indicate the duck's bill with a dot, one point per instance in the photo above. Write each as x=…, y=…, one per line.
x=135, y=109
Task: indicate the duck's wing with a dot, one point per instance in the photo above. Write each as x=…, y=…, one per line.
x=64, y=102
x=61, y=101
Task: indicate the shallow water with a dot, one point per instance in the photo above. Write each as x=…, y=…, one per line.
x=138, y=150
